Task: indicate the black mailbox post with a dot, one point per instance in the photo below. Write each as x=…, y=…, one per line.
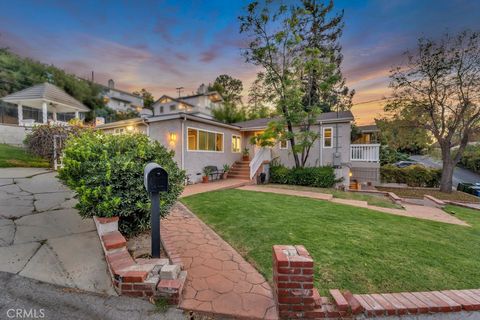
x=155, y=179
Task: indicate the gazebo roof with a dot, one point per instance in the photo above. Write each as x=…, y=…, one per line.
x=45, y=92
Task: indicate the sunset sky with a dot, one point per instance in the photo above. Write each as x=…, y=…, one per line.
x=161, y=45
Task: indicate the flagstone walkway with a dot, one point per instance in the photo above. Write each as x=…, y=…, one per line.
x=219, y=280
x=411, y=210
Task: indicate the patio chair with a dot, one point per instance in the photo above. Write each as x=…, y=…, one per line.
x=215, y=173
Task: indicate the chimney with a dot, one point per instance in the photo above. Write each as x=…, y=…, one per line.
x=111, y=84
x=202, y=89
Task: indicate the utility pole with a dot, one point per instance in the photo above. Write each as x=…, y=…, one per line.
x=179, y=91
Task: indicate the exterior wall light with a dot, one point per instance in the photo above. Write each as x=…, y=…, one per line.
x=172, y=138
x=130, y=128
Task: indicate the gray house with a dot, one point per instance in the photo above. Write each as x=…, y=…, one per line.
x=199, y=141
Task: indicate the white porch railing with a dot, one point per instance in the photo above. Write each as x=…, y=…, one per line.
x=261, y=155
x=365, y=152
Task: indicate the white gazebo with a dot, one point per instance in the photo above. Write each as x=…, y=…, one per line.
x=48, y=98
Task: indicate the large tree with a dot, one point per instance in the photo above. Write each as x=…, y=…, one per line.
x=231, y=110
x=439, y=87
x=148, y=99
x=258, y=104
x=296, y=68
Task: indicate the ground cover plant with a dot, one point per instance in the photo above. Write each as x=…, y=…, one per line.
x=354, y=248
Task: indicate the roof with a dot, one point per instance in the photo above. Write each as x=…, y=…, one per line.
x=368, y=128
x=210, y=93
x=46, y=91
x=175, y=99
x=179, y=115
x=323, y=117
x=118, y=90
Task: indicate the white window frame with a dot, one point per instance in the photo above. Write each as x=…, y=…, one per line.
x=280, y=145
x=198, y=138
x=240, y=140
x=323, y=137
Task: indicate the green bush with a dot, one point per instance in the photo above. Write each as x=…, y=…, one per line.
x=471, y=158
x=322, y=177
x=106, y=171
x=413, y=176
x=388, y=155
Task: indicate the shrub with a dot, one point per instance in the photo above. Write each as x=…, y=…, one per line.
x=413, y=176
x=40, y=140
x=471, y=158
x=322, y=177
x=388, y=155
x=106, y=171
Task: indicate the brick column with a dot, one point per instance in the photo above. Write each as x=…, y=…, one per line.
x=293, y=281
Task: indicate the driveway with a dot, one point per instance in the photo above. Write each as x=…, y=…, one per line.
x=43, y=237
x=459, y=174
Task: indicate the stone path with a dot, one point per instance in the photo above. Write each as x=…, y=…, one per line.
x=43, y=237
x=219, y=280
x=213, y=185
x=411, y=210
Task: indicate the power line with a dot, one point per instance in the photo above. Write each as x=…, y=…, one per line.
x=370, y=101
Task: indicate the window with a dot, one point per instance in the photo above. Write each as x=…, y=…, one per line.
x=202, y=140
x=161, y=109
x=283, y=144
x=236, y=143
x=173, y=107
x=327, y=137
x=119, y=130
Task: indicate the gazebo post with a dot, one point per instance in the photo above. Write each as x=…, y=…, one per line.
x=44, y=112
x=77, y=115
x=20, y=113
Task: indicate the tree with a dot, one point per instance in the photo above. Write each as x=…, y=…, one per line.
x=148, y=99
x=400, y=135
x=257, y=101
x=322, y=33
x=231, y=110
x=278, y=43
x=439, y=89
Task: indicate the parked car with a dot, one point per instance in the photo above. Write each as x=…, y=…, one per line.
x=407, y=163
x=471, y=188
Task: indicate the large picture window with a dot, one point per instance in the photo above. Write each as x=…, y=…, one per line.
x=202, y=140
x=327, y=137
x=236, y=143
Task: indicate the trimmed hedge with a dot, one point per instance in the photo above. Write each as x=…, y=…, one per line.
x=106, y=171
x=413, y=176
x=322, y=177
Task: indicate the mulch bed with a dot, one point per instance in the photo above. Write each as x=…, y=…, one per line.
x=418, y=193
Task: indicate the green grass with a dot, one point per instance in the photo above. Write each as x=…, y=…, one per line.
x=11, y=156
x=373, y=200
x=418, y=193
x=354, y=248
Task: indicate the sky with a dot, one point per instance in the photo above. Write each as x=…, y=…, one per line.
x=162, y=45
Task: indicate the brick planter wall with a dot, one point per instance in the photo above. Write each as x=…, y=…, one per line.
x=140, y=277
x=296, y=298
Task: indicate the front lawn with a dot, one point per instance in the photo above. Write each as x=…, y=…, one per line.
x=418, y=193
x=354, y=248
x=371, y=199
x=11, y=156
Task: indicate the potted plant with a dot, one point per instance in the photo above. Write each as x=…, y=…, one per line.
x=206, y=174
x=246, y=154
x=226, y=168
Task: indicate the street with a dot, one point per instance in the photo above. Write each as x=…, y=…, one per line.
x=459, y=174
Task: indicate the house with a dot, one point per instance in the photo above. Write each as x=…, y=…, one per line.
x=119, y=100
x=185, y=125
x=367, y=134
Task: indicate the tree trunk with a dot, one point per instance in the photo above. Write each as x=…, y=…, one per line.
x=446, y=181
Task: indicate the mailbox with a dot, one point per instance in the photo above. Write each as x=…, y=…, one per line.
x=155, y=178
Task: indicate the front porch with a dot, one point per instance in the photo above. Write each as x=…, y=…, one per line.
x=364, y=164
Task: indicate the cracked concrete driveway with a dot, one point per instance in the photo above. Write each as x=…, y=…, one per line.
x=43, y=237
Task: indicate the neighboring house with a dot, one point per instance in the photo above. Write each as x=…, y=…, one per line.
x=119, y=100
x=201, y=103
x=200, y=141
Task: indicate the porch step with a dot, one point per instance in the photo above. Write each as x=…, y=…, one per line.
x=240, y=170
